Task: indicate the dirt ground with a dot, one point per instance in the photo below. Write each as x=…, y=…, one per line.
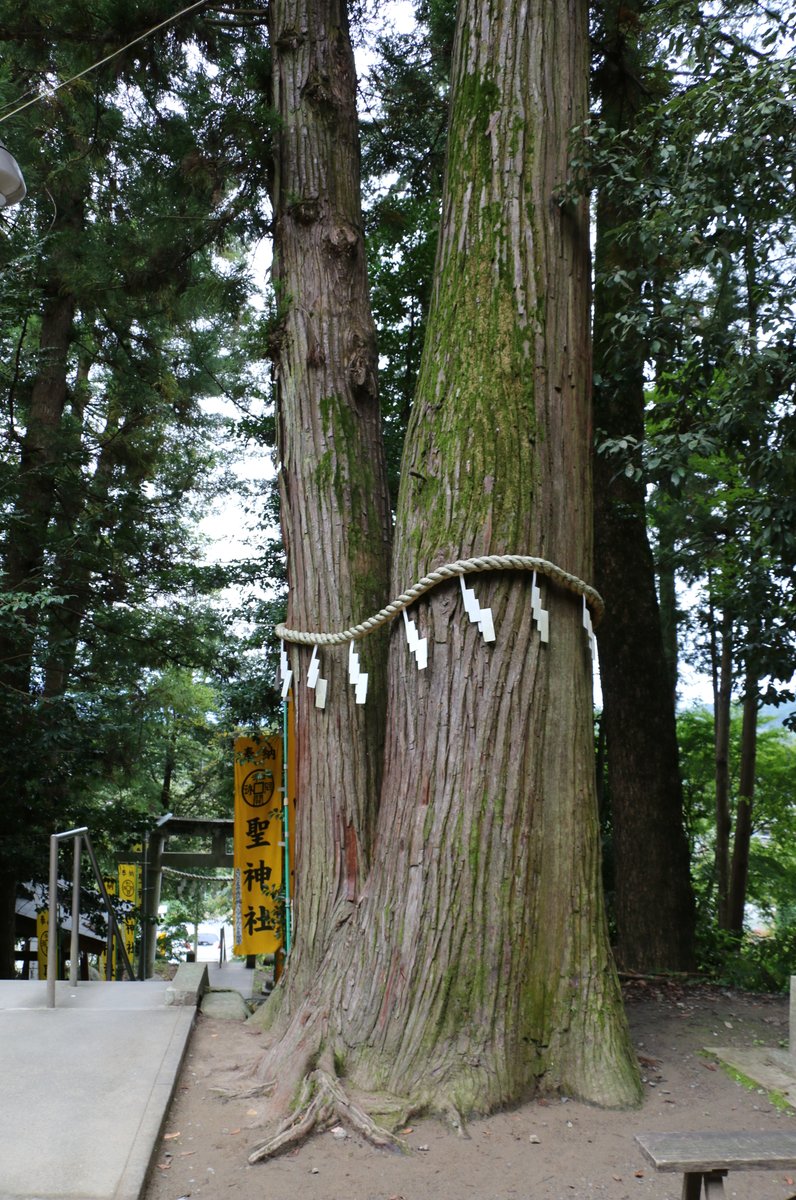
x=544, y=1150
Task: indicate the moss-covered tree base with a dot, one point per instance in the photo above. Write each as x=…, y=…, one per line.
x=321, y=1067
x=323, y=1098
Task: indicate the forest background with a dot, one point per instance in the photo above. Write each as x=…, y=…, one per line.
x=130, y=305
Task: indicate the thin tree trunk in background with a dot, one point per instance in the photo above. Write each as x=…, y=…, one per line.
x=81, y=512
x=655, y=911
x=722, y=704
x=739, y=867
x=739, y=863
x=169, y=765
x=335, y=509
x=23, y=554
x=23, y=558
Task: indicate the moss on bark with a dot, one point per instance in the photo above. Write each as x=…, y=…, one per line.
x=475, y=967
x=335, y=511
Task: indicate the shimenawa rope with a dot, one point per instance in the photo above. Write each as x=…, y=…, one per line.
x=464, y=566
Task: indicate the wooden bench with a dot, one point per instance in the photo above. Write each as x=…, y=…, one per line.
x=705, y=1158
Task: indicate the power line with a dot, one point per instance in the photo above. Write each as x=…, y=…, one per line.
x=101, y=62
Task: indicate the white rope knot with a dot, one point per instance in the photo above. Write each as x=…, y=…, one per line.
x=464, y=566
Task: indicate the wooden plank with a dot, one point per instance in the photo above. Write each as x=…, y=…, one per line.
x=703, y=1152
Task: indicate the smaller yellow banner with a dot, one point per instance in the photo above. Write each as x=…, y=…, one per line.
x=129, y=892
x=42, y=937
x=258, y=852
x=110, y=888
x=128, y=883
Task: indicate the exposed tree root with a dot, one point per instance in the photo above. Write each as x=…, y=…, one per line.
x=254, y=1093
x=232, y=1090
x=455, y=1119
x=323, y=1103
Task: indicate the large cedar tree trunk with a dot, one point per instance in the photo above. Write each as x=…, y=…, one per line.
x=489, y=907
x=655, y=911
x=476, y=967
x=335, y=509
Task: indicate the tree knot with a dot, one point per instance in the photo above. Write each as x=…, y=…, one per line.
x=361, y=371
x=290, y=39
x=306, y=210
x=316, y=356
x=275, y=339
x=318, y=90
x=343, y=239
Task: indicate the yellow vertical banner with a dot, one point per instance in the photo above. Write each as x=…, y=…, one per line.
x=129, y=887
x=257, y=848
x=42, y=937
x=110, y=888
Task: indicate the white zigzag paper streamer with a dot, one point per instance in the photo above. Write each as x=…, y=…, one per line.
x=587, y=625
x=418, y=645
x=314, y=669
x=314, y=680
x=285, y=672
x=540, y=615
x=482, y=617
x=358, y=678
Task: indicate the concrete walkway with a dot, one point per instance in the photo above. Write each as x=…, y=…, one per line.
x=770, y=1068
x=85, y=1086
x=232, y=976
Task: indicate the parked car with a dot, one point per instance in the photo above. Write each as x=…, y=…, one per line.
x=172, y=945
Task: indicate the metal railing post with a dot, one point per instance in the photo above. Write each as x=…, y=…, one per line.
x=154, y=864
x=52, y=925
x=114, y=932
x=74, y=947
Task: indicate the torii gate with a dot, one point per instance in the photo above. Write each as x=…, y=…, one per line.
x=156, y=857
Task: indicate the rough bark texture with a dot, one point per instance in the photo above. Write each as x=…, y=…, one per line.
x=655, y=912
x=494, y=970
x=335, y=513
x=476, y=968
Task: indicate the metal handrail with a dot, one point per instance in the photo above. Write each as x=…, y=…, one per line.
x=80, y=835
